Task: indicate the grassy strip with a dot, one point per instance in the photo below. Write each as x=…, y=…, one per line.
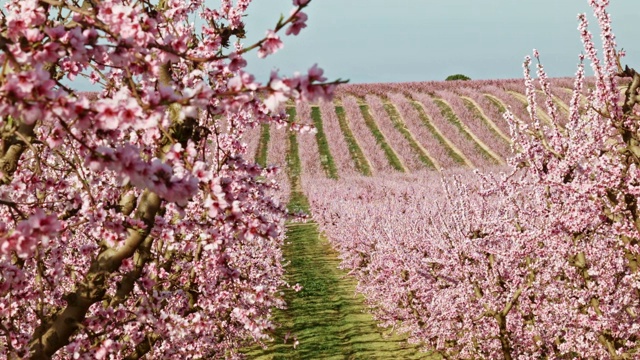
x=448, y=113
x=426, y=122
x=402, y=128
x=560, y=105
x=326, y=159
x=496, y=103
x=478, y=115
x=263, y=146
x=360, y=161
x=298, y=203
x=294, y=165
x=326, y=318
x=394, y=161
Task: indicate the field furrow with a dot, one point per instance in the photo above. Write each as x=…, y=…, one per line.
x=345, y=163
x=392, y=135
x=472, y=127
x=492, y=109
x=493, y=125
x=427, y=114
x=444, y=119
x=542, y=114
x=277, y=155
x=425, y=135
x=310, y=155
x=389, y=152
x=401, y=126
x=252, y=140
x=500, y=97
x=326, y=157
x=373, y=151
x=263, y=145
x=362, y=164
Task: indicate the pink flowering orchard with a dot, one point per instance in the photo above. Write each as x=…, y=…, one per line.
x=130, y=223
x=536, y=261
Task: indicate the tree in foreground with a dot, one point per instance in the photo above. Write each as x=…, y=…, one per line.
x=540, y=262
x=130, y=223
x=546, y=256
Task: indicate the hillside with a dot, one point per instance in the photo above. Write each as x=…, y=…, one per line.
x=369, y=177
x=374, y=129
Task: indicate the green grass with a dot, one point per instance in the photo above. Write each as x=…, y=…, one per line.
x=294, y=165
x=497, y=104
x=325, y=316
x=298, y=203
x=394, y=161
x=427, y=123
x=326, y=159
x=448, y=114
x=263, y=146
x=478, y=115
x=402, y=128
x=357, y=155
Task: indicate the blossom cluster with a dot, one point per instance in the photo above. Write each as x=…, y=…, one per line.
x=131, y=224
x=535, y=260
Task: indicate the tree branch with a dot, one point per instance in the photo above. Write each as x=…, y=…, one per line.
x=13, y=148
x=51, y=335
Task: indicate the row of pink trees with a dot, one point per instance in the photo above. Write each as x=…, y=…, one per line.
x=130, y=223
x=372, y=151
x=337, y=140
x=538, y=262
x=477, y=127
x=400, y=145
x=416, y=126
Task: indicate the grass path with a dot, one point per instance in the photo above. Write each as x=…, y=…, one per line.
x=475, y=107
x=263, y=146
x=564, y=108
x=451, y=149
x=542, y=114
x=325, y=316
x=502, y=107
x=399, y=124
x=326, y=158
x=361, y=162
x=583, y=98
x=392, y=157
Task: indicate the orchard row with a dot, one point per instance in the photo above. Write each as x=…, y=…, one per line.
x=372, y=129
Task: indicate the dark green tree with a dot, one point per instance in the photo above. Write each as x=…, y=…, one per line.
x=457, y=77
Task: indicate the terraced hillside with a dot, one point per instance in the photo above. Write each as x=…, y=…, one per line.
x=398, y=135
x=373, y=129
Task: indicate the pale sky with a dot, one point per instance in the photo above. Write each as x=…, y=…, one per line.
x=418, y=40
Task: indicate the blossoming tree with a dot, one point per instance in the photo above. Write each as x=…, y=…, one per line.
x=538, y=262
x=130, y=222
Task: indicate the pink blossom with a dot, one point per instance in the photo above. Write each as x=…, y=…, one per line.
x=109, y=118
x=237, y=62
x=298, y=23
x=278, y=93
x=154, y=159
x=38, y=229
x=270, y=45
